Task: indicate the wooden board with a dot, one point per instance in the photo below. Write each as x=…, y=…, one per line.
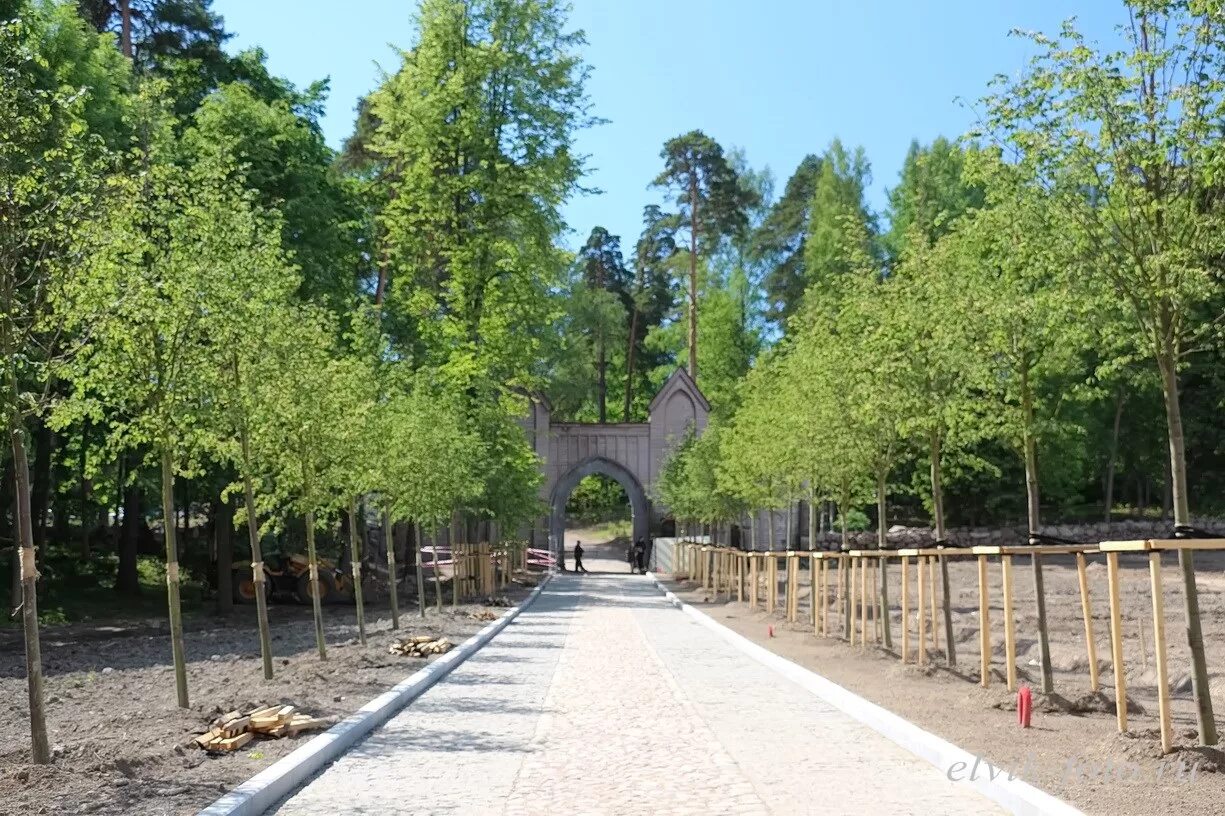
x=226, y=745
x=1124, y=546
x=1187, y=543
x=1049, y=549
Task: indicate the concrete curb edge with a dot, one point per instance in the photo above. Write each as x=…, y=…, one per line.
x=287, y=774
x=997, y=784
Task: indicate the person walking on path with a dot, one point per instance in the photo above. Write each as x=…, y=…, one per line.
x=640, y=556
x=629, y=557
x=578, y=557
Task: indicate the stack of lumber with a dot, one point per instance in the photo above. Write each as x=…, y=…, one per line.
x=421, y=646
x=232, y=731
x=484, y=615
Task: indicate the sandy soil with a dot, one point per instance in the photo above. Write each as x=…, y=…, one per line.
x=1073, y=749
x=118, y=737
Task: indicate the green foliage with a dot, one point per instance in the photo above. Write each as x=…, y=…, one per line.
x=598, y=498
x=781, y=239
x=856, y=521
x=283, y=158
x=478, y=125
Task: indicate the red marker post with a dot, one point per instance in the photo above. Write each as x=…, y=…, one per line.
x=770, y=629
x=1025, y=706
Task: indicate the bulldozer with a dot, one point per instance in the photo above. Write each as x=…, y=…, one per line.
x=287, y=578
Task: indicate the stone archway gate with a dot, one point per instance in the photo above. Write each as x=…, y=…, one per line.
x=632, y=453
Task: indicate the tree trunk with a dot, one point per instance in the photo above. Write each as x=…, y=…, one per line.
x=1186, y=558
x=693, y=279
x=355, y=561
x=770, y=521
x=257, y=560
x=223, y=540
x=28, y=574
x=843, y=506
x=40, y=495
x=1112, y=456
x=812, y=519
x=601, y=362
x=87, y=490
x=177, y=651
x=125, y=27
x=790, y=515
x=1030, y=452
x=420, y=571
x=1167, y=494
x=631, y=354
x=393, y=579
x=312, y=556
x=937, y=462
x=438, y=572
x=882, y=543
x=8, y=529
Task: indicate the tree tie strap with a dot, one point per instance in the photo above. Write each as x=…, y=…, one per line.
x=172, y=572
x=314, y=572
x=357, y=571
x=257, y=572
x=29, y=569
x=1187, y=531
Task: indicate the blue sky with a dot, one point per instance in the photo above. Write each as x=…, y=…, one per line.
x=778, y=78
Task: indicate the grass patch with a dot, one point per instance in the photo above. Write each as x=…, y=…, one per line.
x=608, y=530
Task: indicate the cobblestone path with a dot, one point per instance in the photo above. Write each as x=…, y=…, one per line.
x=604, y=699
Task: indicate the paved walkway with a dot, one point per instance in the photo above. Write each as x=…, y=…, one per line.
x=604, y=699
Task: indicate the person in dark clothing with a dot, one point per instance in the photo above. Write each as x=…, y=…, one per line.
x=578, y=557
x=640, y=555
x=629, y=557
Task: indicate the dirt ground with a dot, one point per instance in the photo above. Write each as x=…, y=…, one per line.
x=1073, y=749
x=121, y=743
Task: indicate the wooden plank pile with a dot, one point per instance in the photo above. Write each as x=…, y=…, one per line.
x=421, y=646
x=484, y=615
x=232, y=731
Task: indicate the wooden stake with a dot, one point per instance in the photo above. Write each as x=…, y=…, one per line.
x=1143, y=645
x=793, y=587
x=1086, y=613
x=825, y=597
x=1010, y=634
x=851, y=607
x=814, y=590
x=845, y=604
x=863, y=602
x=391, y=572
x=931, y=594
x=984, y=624
x=1163, y=679
x=905, y=609
x=740, y=577
x=947, y=603
x=874, y=612
x=752, y=580
x=922, y=610
x=1116, y=642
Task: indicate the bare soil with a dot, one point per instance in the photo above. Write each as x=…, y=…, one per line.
x=121, y=744
x=1073, y=749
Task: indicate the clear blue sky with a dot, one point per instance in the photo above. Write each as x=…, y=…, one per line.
x=779, y=78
